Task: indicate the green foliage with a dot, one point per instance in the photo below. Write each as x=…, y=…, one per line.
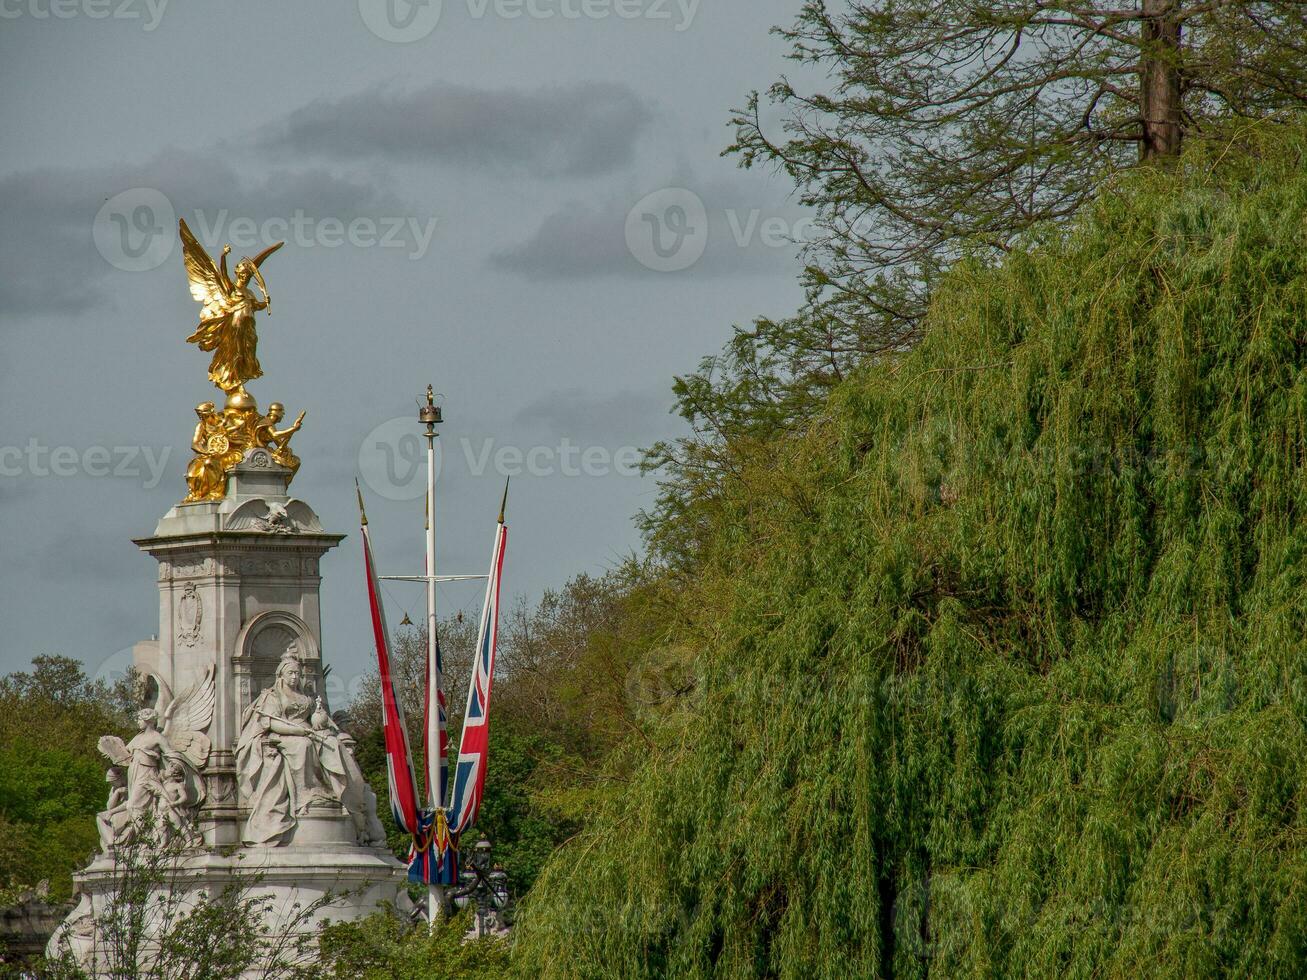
x=925, y=130
x=381, y=947
x=51, y=775
x=144, y=929
x=524, y=833
x=562, y=704
x=1001, y=665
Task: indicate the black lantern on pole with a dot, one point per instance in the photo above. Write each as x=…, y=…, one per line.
x=486, y=885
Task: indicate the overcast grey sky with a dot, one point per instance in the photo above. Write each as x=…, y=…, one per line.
x=490, y=195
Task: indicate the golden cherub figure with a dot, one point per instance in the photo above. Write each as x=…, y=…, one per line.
x=276, y=440
x=220, y=441
x=227, y=316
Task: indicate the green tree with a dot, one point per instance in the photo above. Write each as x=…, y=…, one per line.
x=953, y=124
x=948, y=128
x=51, y=774
x=999, y=664
x=382, y=947
x=567, y=703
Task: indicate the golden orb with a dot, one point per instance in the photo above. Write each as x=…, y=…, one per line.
x=240, y=400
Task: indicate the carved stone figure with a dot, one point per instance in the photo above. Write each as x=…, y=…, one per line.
x=288, y=761
x=113, y=821
x=162, y=791
x=276, y=521
x=177, y=805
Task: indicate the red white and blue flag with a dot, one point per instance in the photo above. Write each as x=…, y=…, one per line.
x=434, y=858
x=473, y=749
x=399, y=760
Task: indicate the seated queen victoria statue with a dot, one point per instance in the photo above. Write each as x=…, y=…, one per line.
x=290, y=756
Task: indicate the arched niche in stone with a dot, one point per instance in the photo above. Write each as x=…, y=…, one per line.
x=261, y=644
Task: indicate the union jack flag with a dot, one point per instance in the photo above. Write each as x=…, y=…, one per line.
x=434, y=857
x=473, y=749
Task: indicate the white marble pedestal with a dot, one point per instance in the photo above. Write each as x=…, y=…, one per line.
x=238, y=595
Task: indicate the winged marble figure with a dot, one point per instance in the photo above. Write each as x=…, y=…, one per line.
x=227, y=312
x=163, y=787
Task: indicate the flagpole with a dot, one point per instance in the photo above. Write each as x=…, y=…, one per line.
x=429, y=415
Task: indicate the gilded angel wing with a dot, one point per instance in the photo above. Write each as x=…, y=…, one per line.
x=113, y=749
x=208, y=285
x=188, y=716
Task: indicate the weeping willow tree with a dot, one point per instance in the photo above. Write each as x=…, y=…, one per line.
x=1002, y=666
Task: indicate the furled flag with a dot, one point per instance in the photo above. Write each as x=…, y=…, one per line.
x=399, y=760
x=434, y=859
x=473, y=749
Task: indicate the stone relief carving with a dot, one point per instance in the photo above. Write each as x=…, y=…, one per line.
x=274, y=516
x=155, y=786
x=222, y=788
x=190, y=613
x=272, y=640
x=268, y=566
x=194, y=566
x=276, y=521
x=291, y=756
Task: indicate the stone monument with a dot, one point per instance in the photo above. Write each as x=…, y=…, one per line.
x=238, y=767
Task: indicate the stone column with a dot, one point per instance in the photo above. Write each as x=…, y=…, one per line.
x=238, y=583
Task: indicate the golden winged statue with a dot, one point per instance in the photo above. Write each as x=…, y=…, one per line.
x=227, y=315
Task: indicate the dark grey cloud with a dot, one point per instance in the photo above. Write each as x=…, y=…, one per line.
x=578, y=130
x=751, y=230
x=47, y=243
x=575, y=242
x=632, y=418
x=93, y=356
